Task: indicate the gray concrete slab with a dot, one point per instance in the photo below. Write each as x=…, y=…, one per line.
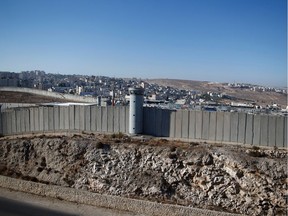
x=178, y=124
x=67, y=118
x=77, y=117
x=199, y=122
x=280, y=131
x=1, y=124
x=172, y=124
x=122, y=119
x=256, y=130
x=165, y=127
x=146, y=122
x=45, y=119
x=18, y=121
x=93, y=121
x=220, y=126
x=150, y=121
x=192, y=124
x=116, y=119
x=127, y=118
x=13, y=122
x=241, y=127
x=8, y=123
x=32, y=122
x=285, y=133
x=212, y=126
x=61, y=118
x=205, y=125
x=264, y=130
x=72, y=117
x=51, y=119
x=56, y=118
x=110, y=119
x=41, y=118
x=36, y=119
x=227, y=127
x=82, y=118
x=185, y=124
x=4, y=122
x=99, y=118
x=22, y=121
x=104, y=119
x=234, y=127
x=87, y=117
x=249, y=129
x=158, y=122
x=27, y=120
x=272, y=131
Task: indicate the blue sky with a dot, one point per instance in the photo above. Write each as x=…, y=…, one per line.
x=212, y=40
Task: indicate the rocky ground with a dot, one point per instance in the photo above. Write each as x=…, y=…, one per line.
x=237, y=179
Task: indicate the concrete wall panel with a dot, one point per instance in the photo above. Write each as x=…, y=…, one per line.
x=227, y=127
x=185, y=124
x=234, y=127
x=71, y=118
x=122, y=119
x=45, y=118
x=77, y=117
x=8, y=123
x=67, y=118
x=1, y=124
x=149, y=120
x=165, y=127
x=158, y=122
x=32, y=119
x=99, y=118
x=212, y=126
x=22, y=116
x=56, y=118
x=62, y=118
x=81, y=118
x=116, y=123
x=172, y=124
x=87, y=116
x=127, y=119
x=13, y=122
x=93, y=121
x=36, y=119
x=272, y=131
x=198, y=124
x=178, y=124
x=285, y=132
x=4, y=123
x=50, y=118
x=241, y=127
x=264, y=131
x=280, y=131
x=18, y=121
x=104, y=119
x=110, y=119
x=27, y=120
x=249, y=129
x=219, y=126
x=192, y=124
x=205, y=125
x=256, y=130
x=41, y=118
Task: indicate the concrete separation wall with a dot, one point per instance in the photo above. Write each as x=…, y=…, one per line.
x=50, y=94
x=219, y=127
x=113, y=202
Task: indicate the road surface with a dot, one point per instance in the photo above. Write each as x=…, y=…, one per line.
x=14, y=203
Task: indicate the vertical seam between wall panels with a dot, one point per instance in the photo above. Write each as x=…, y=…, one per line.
x=245, y=127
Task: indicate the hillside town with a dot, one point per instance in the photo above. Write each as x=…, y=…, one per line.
x=114, y=91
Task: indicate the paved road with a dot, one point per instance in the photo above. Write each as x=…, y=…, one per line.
x=14, y=203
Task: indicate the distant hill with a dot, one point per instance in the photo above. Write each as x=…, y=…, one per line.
x=244, y=95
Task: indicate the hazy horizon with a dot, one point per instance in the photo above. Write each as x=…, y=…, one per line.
x=217, y=41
